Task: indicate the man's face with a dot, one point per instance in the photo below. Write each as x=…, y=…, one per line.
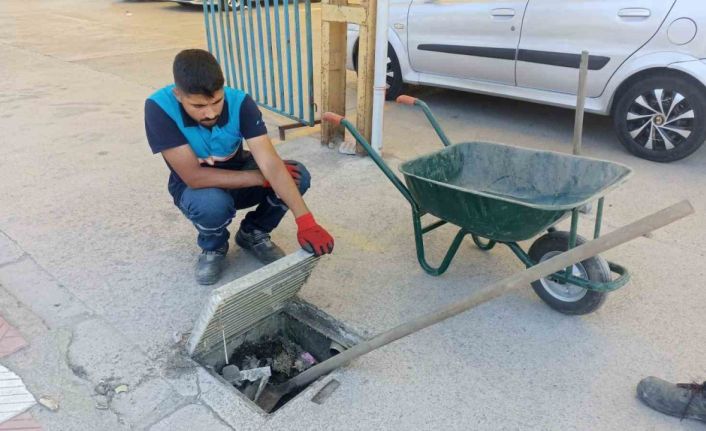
x=203, y=109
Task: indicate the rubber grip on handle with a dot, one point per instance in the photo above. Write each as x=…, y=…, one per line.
x=332, y=118
x=406, y=100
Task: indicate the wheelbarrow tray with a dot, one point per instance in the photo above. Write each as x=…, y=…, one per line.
x=506, y=193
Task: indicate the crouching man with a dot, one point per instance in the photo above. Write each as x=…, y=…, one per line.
x=198, y=125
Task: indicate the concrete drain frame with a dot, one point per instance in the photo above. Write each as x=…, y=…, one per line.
x=260, y=307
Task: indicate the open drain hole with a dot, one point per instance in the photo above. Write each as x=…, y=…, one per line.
x=283, y=352
x=284, y=345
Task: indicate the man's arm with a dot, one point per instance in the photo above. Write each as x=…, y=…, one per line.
x=273, y=169
x=183, y=160
x=311, y=236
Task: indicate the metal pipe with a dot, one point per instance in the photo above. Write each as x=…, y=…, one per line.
x=298, y=52
x=288, y=52
x=236, y=31
x=253, y=51
x=233, y=79
x=263, y=63
x=244, y=32
x=269, y=52
x=573, y=234
x=206, y=25
x=225, y=41
x=435, y=225
x=380, y=79
x=280, y=73
x=214, y=26
x=310, y=63
x=599, y=218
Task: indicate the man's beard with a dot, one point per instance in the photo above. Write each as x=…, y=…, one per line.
x=209, y=121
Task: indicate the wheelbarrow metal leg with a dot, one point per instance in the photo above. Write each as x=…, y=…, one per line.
x=521, y=254
x=485, y=246
x=623, y=277
x=599, y=218
x=573, y=233
x=419, y=241
x=435, y=225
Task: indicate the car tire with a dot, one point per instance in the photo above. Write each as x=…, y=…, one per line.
x=395, y=84
x=661, y=118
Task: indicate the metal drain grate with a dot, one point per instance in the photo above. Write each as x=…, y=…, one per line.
x=235, y=307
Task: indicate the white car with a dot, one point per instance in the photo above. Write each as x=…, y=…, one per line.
x=647, y=67
x=199, y=3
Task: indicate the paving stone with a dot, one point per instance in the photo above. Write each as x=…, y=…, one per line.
x=23, y=422
x=147, y=403
x=10, y=339
x=189, y=418
x=229, y=404
x=29, y=283
x=9, y=250
x=99, y=353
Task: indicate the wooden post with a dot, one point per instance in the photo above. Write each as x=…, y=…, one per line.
x=366, y=73
x=333, y=74
x=335, y=15
x=580, y=103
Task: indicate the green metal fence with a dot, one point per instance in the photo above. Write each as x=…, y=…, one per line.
x=265, y=49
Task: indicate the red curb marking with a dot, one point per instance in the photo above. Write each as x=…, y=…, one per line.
x=23, y=422
x=10, y=340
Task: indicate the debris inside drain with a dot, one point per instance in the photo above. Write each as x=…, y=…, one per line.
x=271, y=351
x=271, y=360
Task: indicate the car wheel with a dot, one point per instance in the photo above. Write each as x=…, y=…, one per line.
x=661, y=118
x=394, y=84
x=241, y=4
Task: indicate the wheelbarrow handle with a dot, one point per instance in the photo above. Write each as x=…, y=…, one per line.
x=409, y=100
x=337, y=119
x=406, y=100
x=332, y=118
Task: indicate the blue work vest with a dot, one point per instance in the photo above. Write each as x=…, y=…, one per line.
x=218, y=142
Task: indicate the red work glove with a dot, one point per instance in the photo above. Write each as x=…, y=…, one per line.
x=312, y=237
x=293, y=171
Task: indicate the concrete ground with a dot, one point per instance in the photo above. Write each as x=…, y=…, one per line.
x=96, y=263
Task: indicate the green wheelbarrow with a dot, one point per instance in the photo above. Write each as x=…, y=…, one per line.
x=500, y=194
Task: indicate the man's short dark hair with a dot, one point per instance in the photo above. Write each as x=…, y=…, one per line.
x=197, y=72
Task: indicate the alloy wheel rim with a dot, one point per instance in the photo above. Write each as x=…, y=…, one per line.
x=660, y=120
x=390, y=78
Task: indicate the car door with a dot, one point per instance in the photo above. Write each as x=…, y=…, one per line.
x=470, y=39
x=554, y=33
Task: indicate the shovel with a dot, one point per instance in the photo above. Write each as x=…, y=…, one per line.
x=272, y=395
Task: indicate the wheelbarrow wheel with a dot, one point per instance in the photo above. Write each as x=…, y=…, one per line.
x=563, y=297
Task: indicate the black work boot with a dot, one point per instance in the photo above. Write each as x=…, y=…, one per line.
x=210, y=265
x=684, y=400
x=259, y=244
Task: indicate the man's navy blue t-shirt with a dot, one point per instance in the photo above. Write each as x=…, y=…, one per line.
x=163, y=134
